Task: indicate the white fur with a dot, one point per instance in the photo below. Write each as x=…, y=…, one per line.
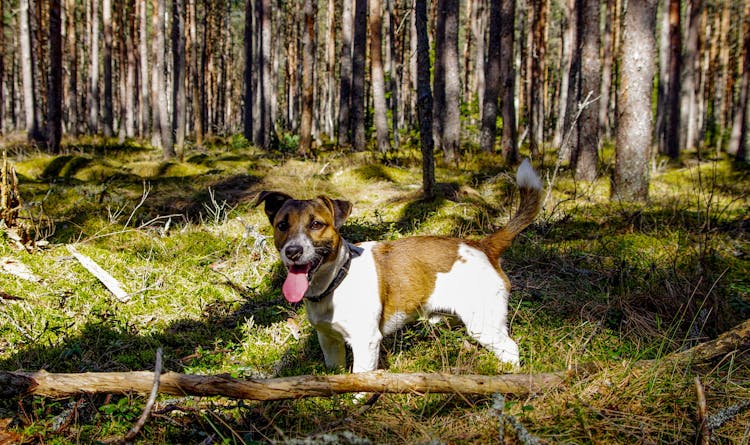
x=526, y=177
x=353, y=313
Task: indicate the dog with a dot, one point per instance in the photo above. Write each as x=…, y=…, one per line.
x=357, y=294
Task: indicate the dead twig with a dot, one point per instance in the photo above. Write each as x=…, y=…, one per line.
x=150, y=404
x=704, y=434
x=102, y=275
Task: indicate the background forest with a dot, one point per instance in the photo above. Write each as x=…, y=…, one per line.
x=139, y=133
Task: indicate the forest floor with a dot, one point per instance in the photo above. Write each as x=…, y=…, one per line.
x=595, y=282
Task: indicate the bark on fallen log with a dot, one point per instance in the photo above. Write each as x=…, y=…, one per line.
x=13, y=384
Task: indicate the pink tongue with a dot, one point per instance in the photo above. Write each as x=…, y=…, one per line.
x=296, y=283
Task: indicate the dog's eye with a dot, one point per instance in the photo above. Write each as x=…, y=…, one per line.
x=316, y=225
x=283, y=226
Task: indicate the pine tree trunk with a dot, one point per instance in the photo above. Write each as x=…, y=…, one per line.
x=93, y=94
x=588, y=123
x=107, y=60
x=477, y=83
x=509, y=139
x=247, y=120
x=71, y=48
x=690, y=62
x=377, y=75
x=567, y=75
x=634, y=128
x=492, y=79
x=345, y=76
x=605, y=128
x=358, y=75
x=2, y=70
x=739, y=139
x=537, y=73
x=179, y=98
x=452, y=123
x=195, y=75
x=27, y=72
x=438, y=76
x=161, y=118
x=130, y=56
x=266, y=118
x=329, y=115
x=54, y=113
x=672, y=136
x=308, y=61
x=424, y=102
x=145, y=98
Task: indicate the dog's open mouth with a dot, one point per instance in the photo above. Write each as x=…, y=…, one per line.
x=298, y=280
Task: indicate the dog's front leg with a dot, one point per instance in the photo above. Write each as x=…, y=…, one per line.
x=366, y=352
x=334, y=351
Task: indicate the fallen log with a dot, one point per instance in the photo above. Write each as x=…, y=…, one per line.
x=14, y=384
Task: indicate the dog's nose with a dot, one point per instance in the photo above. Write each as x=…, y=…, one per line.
x=293, y=252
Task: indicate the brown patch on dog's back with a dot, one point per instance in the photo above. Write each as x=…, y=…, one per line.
x=407, y=269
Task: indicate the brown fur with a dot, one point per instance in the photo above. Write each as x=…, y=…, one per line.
x=407, y=269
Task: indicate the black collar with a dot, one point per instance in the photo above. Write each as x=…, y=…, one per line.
x=351, y=252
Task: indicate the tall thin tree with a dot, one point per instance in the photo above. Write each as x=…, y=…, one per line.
x=359, y=48
x=634, y=126
x=345, y=75
x=27, y=73
x=377, y=75
x=54, y=104
x=509, y=139
x=424, y=102
x=491, y=80
x=179, y=97
x=248, y=93
x=308, y=61
x=688, y=87
x=672, y=130
x=739, y=138
x=145, y=90
x=108, y=116
x=586, y=153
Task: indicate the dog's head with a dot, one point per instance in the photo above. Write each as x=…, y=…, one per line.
x=306, y=234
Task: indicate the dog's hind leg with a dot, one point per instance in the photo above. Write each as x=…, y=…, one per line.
x=488, y=327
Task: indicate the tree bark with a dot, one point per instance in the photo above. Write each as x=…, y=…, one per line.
x=2, y=69
x=161, y=118
x=690, y=63
x=308, y=61
x=247, y=119
x=509, y=139
x=586, y=153
x=42, y=383
x=538, y=52
x=93, y=94
x=377, y=76
x=345, y=75
x=54, y=104
x=179, y=97
x=452, y=122
x=672, y=136
x=195, y=77
x=265, y=118
x=739, y=139
x=634, y=128
x=605, y=129
x=438, y=76
x=424, y=102
x=492, y=79
x=27, y=74
x=568, y=79
x=145, y=99
x=108, y=116
x=358, y=75
x=130, y=84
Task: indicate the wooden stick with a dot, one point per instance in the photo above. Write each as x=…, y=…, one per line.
x=703, y=433
x=102, y=275
x=149, y=404
x=43, y=383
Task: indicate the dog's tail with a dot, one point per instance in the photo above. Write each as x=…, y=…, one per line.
x=530, y=188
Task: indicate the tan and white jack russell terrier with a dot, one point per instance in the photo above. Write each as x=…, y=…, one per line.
x=358, y=294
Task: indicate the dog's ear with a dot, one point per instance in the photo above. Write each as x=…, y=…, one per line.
x=339, y=208
x=274, y=201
